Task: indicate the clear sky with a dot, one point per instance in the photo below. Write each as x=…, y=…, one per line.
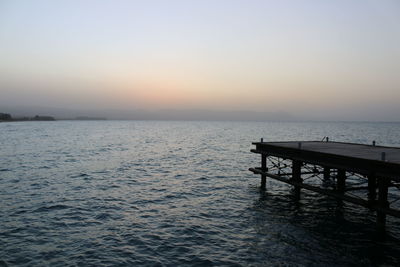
x=331, y=58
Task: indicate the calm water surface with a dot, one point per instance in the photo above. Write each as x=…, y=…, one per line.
x=117, y=193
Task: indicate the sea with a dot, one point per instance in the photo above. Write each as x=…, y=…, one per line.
x=175, y=193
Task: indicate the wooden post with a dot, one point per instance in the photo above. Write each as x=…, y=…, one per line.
x=383, y=184
x=327, y=173
x=371, y=187
x=341, y=181
x=264, y=169
x=296, y=172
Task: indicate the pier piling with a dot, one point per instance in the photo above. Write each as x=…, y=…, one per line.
x=371, y=187
x=341, y=181
x=296, y=177
x=264, y=169
x=327, y=174
x=383, y=184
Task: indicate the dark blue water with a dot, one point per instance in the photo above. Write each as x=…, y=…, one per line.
x=152, y=193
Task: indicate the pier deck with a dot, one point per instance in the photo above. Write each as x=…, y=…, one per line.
x=340, y=170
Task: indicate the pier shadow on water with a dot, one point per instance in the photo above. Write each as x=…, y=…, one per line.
x=318, y=230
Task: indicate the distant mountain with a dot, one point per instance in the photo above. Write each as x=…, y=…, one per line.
x=30, y=111
x=7, y=118
x=165, y=114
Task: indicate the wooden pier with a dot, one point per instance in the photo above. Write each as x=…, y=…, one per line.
x=366, y=175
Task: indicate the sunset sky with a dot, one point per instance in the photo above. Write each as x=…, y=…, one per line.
x=305, y=57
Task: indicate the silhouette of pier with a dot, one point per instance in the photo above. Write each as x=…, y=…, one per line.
x=366, y=175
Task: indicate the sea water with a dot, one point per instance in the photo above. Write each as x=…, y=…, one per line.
x=168, y=193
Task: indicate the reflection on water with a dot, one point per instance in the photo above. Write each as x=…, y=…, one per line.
x=174, y=193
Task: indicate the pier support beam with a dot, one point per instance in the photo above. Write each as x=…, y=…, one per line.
x=383, y=184
x=264, y=169
x=296, y=172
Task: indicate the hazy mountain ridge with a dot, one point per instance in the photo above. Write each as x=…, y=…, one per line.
x=164, y=114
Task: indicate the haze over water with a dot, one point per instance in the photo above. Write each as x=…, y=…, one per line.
x=153, y=193
x=325, y=60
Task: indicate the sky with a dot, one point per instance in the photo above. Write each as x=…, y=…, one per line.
x=319, y=59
